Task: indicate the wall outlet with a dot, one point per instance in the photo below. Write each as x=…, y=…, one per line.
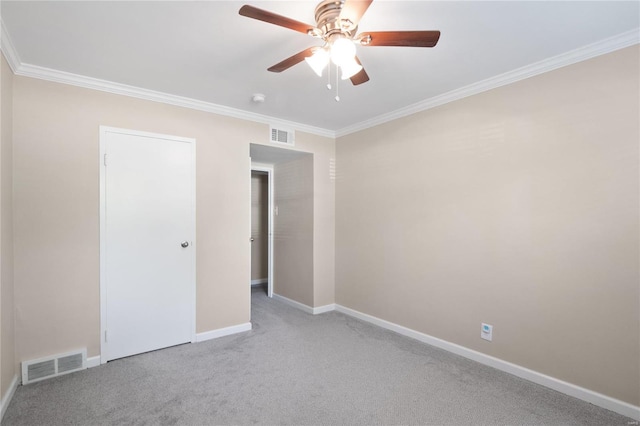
x=486, y=332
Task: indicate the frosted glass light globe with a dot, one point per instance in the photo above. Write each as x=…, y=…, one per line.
x=350, y=68
x=318, y=61
x=342, y=50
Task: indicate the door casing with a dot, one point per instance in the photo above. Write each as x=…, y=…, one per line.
x=269, y=171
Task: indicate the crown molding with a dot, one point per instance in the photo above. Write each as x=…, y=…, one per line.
x=8, y=50
x=34, y=71
x=608, y=45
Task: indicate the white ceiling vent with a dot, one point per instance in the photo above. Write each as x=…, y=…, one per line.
x=52, y=366
x=282, y=136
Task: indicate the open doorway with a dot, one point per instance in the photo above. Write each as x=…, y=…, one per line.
x=262, y=229
x=290, y=222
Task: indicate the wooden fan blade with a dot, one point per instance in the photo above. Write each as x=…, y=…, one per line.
x=293, y=60
x=353, y=10
x=361, y=77
x=272, y=18
x=401, y=38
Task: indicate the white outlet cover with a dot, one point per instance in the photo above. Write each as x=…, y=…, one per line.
x=486, y=332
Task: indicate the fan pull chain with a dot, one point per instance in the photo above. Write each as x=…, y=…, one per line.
x=329, y=77
x=337, y=98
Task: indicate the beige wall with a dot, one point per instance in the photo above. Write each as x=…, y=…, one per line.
x=293, y=230
x=324, y=221
x=259, y=225
x=8, y=365
x=517, y=207
x=56, y=199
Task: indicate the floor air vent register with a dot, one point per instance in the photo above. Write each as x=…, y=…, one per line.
x=53, y=366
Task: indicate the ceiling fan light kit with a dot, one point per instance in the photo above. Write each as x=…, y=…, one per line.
x=341, y=52
x=337, y=25
x=319, y=60
x=349, y=69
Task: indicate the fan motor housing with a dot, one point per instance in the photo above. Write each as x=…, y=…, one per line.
x=327, y=16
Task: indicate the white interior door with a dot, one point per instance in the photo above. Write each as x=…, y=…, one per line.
x=147, y=242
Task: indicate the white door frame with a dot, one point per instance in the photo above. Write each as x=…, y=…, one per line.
x=269, y=171
x=104, y=130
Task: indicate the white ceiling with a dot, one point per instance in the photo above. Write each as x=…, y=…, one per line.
x=206, y=51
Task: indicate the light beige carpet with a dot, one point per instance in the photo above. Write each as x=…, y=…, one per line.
x=298, y=369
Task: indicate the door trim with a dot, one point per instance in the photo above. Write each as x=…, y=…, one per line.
x=269, y=172
x=104, y=130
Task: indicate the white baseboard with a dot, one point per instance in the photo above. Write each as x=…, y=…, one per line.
x=93, y=361
x=590, y=396
x=323, y=309
x=305, y=308
x=221, y=332
x=200, y=337
x=260, y=281
x=6, y=399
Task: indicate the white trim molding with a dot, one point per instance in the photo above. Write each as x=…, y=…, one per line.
x=269, y=170
x=322, y=309
x=8, y=50
x=602, y=47
x=56, y=76
x=305, y=308
x=221, y=332
x=42, y=73
x=607, y=45
x=94, y=361
x=567, y=388
x=34, y=71
x=6, y=399
x=259, y=281
x=200, y=337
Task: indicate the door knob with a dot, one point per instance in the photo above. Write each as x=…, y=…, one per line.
x=251, y=239
x=185, y=244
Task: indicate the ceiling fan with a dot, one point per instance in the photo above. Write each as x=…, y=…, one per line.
x=337, y=25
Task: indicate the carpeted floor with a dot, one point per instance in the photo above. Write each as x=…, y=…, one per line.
x=298, y=369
